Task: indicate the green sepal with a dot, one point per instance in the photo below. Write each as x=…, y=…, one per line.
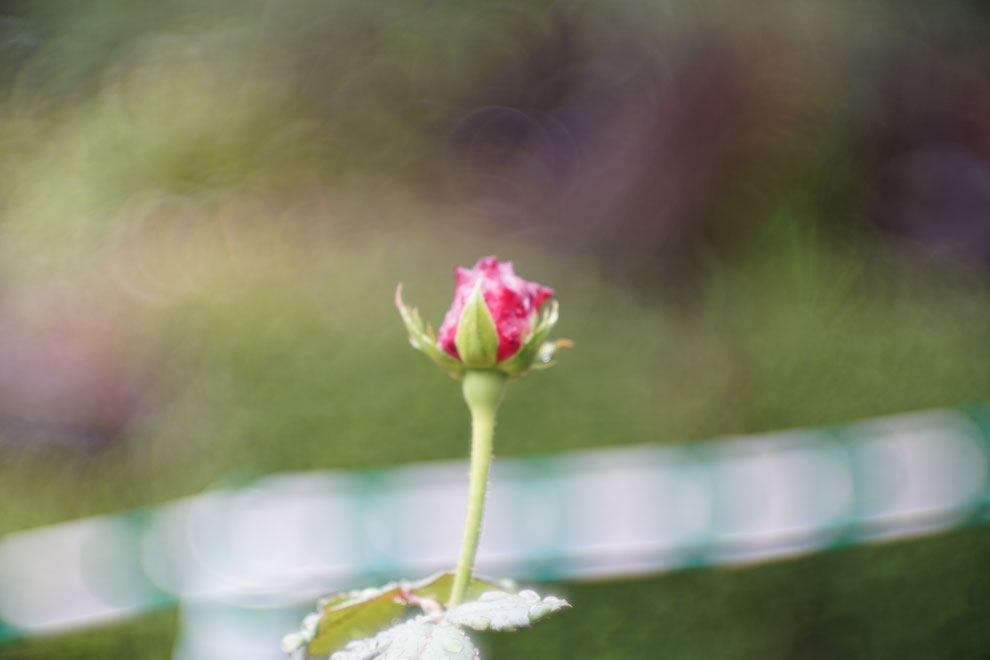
x=477, y=337
x=423, y=339
x=536, y=352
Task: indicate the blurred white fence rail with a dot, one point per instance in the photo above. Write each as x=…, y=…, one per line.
x=242, y=562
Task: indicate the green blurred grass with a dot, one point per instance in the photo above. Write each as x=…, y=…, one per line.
x=149, y=637
x=890, y=601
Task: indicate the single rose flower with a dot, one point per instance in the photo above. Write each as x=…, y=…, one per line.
x=512, y=302
x=495, y=321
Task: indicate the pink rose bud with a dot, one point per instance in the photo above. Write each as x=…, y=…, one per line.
x=495, y=322
x=512, y=302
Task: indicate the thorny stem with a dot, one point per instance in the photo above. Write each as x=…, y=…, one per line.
x=482, y=391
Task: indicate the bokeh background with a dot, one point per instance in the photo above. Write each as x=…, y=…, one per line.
x=756, y=216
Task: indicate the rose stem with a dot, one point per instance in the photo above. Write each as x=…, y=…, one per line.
x=482, y=392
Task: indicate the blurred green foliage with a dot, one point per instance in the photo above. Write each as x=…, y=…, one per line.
x=241, y=186
x=149, y=638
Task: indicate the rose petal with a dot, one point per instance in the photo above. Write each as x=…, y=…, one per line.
x=512, y=301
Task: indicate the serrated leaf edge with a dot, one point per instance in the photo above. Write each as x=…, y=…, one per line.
x=474, y=614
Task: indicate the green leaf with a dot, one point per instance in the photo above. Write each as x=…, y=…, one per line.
x=422, y=638
x=353, y=616
x=437, y=587
x=499, y=610
x=477, y=337
x=367, y=614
